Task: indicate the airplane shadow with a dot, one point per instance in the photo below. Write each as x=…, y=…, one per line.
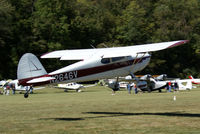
x=178, y=114
x=118, y=114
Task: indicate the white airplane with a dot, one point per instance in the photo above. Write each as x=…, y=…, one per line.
x=183, y=84
x=73, y=86
x=21, y=88
x=17, y=86
x=2, y=83
x=187, y=86
x=95, y=64
x=148, y=83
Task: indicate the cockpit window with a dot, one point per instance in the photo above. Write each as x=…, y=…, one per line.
x=117, y=59
x=105, y=60
x=109, y=60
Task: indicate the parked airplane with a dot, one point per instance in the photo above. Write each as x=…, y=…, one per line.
x=148, y=83
x=22, y=88
x=183, y=84
x=17, y=86
x=73, y=86
x=187, y=86
x=95, y=63
x=2, y=83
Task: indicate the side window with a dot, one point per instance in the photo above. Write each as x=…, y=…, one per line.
x=105, y=60
x=117, y=59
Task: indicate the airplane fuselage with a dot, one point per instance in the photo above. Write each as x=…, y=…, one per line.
x=97, y=68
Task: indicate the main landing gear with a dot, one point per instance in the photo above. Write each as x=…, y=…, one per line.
x=29, y=90
x=26, y=95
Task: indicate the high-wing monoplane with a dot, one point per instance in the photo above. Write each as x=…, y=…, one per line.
x=93, y=64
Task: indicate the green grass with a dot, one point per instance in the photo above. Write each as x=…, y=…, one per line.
x=96, y=111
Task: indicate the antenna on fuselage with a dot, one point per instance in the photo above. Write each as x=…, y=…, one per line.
x=104, y=45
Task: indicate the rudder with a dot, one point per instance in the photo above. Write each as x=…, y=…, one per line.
x=29, y=66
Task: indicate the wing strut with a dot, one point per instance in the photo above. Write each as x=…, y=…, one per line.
x=137, y=61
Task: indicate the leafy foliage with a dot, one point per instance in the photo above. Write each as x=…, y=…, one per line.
x=40, y=26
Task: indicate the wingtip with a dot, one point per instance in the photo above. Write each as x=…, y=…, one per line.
x=186, y=41
x=179, y=43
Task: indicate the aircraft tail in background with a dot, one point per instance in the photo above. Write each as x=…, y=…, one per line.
x=194, y=81
x=191, y=77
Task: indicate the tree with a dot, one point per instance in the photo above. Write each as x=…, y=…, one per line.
x=6, y=12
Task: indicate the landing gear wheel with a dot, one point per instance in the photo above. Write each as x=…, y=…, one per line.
x=26, y=95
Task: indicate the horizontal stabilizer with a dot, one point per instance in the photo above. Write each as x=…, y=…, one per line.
x=42, y=79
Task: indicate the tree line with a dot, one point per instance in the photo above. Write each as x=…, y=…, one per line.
x=40, y=26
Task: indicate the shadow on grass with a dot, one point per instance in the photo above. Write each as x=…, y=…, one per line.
x=117, y=114
x=178, y=114
x=63, y=119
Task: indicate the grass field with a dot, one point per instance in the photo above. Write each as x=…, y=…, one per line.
x=96, y=111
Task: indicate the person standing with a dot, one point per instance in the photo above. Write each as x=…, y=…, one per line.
x=129, y=88
x=176, y=86
x=136, y=91
x=13, y=88
x=7, y=90
x=31, y=89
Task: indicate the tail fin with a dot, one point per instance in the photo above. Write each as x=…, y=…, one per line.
x=29, y=66
x=191, y=77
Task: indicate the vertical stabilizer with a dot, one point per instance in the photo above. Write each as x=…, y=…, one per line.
x=29, y=66
x=191, y=77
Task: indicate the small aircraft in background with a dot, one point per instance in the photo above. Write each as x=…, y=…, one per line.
x=21, y=88
x=147, y=82
x=186, y=86
x=157, y=82
x=17, y=86
x=93, y=64
x=2, y=83
x=73, y=86
x=183, y=84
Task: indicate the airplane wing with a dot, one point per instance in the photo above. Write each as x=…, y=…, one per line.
x=90, y=85
x=82, y=54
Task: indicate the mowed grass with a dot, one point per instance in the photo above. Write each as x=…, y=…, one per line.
x=96, y=111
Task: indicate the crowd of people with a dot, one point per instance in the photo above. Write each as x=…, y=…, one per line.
x=171, y=86
x=7, y=88
x=10, y=87
x=131, y=86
